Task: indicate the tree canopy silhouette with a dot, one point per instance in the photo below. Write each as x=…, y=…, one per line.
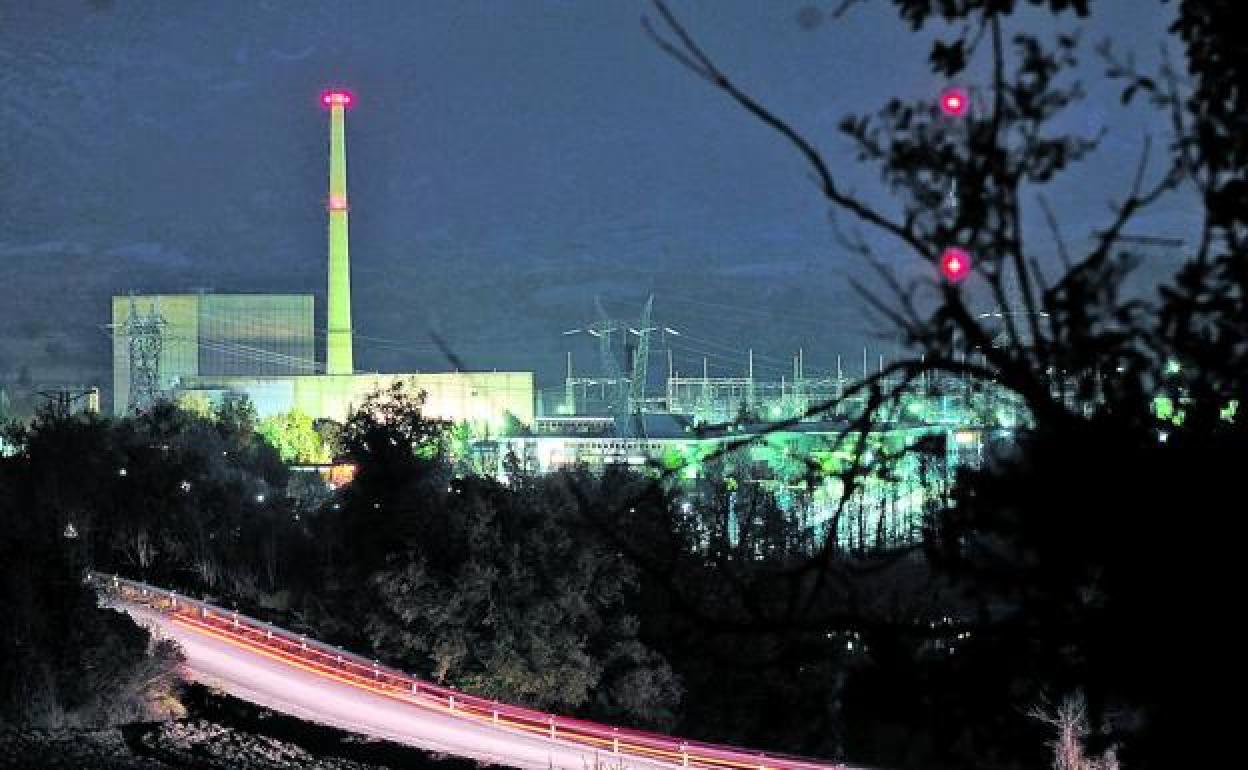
x=1086, y=548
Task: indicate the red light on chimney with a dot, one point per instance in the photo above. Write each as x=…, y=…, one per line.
x=336, y=99
x=954, y=102
x=955, y=264
x=337, y=203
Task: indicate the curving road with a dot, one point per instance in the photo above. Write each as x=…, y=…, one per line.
x=290, y=673
x=251, y=676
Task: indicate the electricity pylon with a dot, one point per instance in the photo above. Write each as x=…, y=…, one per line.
x=145, y=338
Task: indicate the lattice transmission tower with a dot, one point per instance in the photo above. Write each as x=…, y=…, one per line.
x=641, y=370
x=145, y=339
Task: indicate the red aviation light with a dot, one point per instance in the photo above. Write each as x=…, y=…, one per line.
x=955, y=264
x=954, y=102
x=337, y=98
x=337, y=203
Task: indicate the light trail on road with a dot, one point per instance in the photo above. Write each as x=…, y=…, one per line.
x=294, y=675
x=317, y=697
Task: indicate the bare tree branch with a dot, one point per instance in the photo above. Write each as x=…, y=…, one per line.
x=691, y=56
x=1051, y=219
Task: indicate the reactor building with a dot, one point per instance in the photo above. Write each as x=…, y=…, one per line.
x=162, y=341
x=210, y=346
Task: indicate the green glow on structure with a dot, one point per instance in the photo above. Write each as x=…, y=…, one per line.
x=673, y=459
x=338, y=359
x=1164, y=408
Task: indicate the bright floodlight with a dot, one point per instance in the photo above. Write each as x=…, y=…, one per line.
x=337, y=98
x=955, y=264
x=954, y=102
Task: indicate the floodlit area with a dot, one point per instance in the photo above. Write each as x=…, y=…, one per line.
x=237, y=660
x=582, y=385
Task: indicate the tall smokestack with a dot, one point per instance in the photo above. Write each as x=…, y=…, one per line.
x=338, y=358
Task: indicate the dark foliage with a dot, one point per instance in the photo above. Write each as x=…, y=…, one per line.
x=1092, y=553
x=64, y=661
x=1080, y=555
x=509, y=598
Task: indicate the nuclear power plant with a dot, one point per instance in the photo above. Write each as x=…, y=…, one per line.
x=208, y=347
x=203, y=348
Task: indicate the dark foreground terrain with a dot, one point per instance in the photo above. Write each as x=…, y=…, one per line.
x=219, y=733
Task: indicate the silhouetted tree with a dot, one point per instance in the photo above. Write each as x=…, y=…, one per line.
x=1067, y=546
x=512, y=601
x=65, y=661
x=401, y=476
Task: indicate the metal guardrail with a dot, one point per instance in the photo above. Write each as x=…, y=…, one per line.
x=332, y=662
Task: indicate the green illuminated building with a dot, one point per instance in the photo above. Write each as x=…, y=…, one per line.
x=487, y=400
x=483, y=399
x=338, y=359
x=213, y=335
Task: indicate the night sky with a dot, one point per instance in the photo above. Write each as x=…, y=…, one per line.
x=507, y=161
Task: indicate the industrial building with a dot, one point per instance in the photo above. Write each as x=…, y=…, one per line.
x=486, y=400
x=210, y=347
x=797, y=464
x=162, y=341
x=207, y=347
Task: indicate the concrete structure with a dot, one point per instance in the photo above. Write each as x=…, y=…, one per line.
x=487, y=400
x=799, y=464
x=484, y=399
x=561, y=442
x=338, y=354
x=215, y=335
